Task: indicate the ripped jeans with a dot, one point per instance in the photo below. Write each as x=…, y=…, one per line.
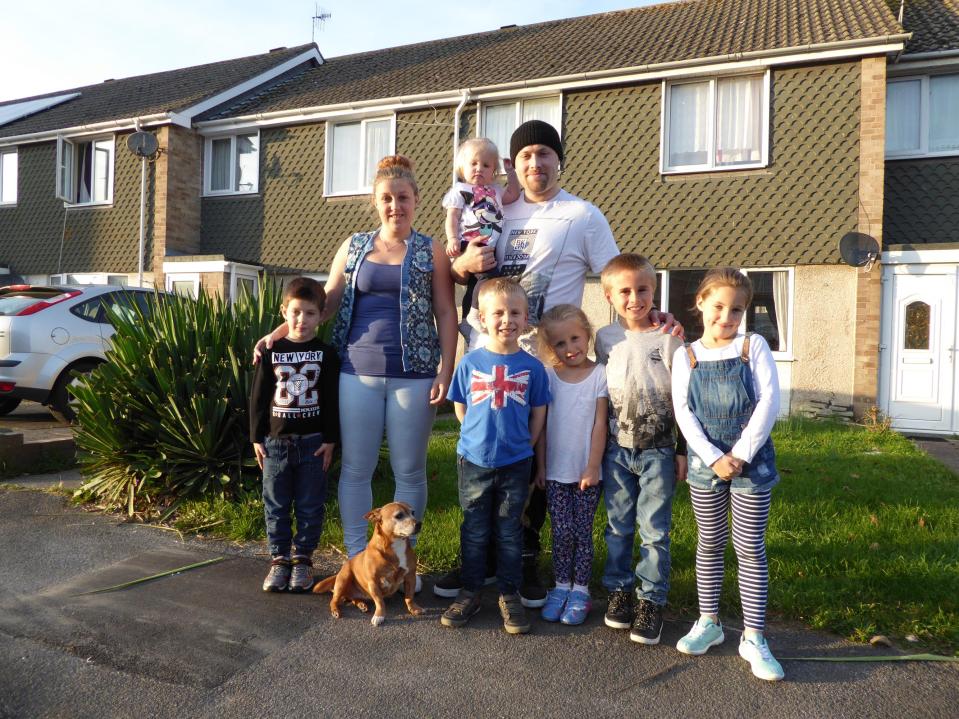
x=492, y=499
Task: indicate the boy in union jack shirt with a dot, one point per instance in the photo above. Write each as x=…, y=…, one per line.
x=500, y=394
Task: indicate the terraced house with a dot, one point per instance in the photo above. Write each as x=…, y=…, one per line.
x=710, y=132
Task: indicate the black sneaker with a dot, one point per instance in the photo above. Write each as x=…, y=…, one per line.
x=532, y=593
x=463, y=607
x=648, y=624
x=450, y=584
x=619, y=611
x=514, y=616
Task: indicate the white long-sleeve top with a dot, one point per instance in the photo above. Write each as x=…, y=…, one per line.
x=765, y=385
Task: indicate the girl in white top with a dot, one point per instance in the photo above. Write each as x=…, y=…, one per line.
x=570, y=455
x=726, y=398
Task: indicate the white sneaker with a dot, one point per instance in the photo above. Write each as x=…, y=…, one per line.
x=704, y=634
x=761, y=660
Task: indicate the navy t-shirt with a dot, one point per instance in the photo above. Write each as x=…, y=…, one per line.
x=499, y=391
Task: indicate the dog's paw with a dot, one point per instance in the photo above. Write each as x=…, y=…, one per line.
x=414, y=609
x=335, y=615
x=363, y=607
x=376, y=620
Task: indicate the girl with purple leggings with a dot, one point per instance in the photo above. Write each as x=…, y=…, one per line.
x=570, y=457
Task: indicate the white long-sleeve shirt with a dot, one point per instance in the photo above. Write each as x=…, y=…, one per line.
x=765, y=385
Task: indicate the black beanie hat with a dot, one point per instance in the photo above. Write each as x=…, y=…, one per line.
x=535, y=132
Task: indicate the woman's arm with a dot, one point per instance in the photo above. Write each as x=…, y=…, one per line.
x=336, y=282
x=445, y=313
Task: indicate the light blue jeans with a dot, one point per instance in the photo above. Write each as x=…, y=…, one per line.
x=368, y=405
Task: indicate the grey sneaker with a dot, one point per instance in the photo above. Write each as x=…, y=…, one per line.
x=465, y=605
x=514, y=616
x=301, y=576
x=278, y=577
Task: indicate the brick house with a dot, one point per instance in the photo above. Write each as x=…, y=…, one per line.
x=709, y=132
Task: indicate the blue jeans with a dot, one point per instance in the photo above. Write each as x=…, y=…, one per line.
x=638, y=487
x=368, y=405
x=492, y=499
x=293, y=482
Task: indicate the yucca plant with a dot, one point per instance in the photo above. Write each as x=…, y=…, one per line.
x=165, y=418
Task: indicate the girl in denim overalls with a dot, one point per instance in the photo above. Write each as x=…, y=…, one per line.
x=726, y=398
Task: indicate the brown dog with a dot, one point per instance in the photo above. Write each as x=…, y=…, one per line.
x=387, y=563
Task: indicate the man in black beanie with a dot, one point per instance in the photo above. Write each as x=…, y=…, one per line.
x=550, y=240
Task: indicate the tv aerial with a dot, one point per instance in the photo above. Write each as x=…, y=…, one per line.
x=858, y=249
x=320, y=16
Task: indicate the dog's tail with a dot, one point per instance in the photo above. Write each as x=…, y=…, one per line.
x=324, y=585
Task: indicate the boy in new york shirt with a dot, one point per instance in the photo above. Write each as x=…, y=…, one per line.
x=500, y=393
x=294, y=426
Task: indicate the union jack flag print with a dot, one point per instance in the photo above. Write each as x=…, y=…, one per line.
x=499, y=386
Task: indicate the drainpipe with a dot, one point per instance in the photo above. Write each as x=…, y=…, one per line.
x=456, y=127
x=143, y=206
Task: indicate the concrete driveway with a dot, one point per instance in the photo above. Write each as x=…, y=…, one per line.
x=209, y=643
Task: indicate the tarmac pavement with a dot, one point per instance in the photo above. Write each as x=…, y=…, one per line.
x=209, y=643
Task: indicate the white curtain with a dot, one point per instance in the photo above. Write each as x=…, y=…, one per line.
x=781, y=306
x=944, y=113
x=739, y=120
x=247, y=162
x=688, y=124
x=499, y=121
x=101, y=173
x=902, y=116
x=345, y=162
x=377, y=147
x=546, y=109
x=220, y=164
x=8, y=177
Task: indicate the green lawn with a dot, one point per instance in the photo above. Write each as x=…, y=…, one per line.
x=863, y=535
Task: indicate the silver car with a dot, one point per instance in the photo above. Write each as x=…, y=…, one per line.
x=47, y=334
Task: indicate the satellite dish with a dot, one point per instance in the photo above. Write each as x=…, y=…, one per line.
x=143, y=144
x=858, y=249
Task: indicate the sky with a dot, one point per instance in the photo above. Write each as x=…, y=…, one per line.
x=61, y=44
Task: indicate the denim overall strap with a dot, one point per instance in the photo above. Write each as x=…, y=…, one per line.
x=420, y=342
x=722, y=397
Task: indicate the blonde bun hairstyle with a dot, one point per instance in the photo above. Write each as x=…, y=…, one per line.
x=396, y=167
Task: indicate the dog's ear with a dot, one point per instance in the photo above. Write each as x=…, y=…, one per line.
x=373, y=515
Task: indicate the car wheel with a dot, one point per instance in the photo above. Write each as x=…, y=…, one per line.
x=61, y=403
x=8, y=404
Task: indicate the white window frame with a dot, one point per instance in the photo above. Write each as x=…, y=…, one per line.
x=236, y=275
x=778, y=355
x=66, y=179
x=923, y=150
x=328, y=153
x=193, y=277
x=5, y=154
x=208, y=165
x=711, y=165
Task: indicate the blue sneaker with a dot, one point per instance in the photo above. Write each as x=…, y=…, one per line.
x=704, y=634
x=578, y=605
x=761, y=660
x=555, y=603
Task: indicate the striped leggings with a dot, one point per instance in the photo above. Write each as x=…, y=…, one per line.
x=750, y=518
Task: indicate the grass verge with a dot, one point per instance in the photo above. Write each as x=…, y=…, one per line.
x=863, y=535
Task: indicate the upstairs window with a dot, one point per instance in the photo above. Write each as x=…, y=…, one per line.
x=85, y=170
x=8, y=177
x=921, y=116
x=231, y=164
x=353, y=150
x=499, y=120
x=721, y=123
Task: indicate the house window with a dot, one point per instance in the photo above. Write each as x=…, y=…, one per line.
x=85, y=170
x=500, y=120
x=353, y=150
x=8, y=177
x=231, y=164
x=184, y=283
x=768, y=314
x=716, y=124
x=921, y=116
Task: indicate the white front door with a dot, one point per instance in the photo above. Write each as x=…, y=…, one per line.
x=920, y=350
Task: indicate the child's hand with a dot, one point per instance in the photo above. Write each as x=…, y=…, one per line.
x=539, y=479
x=326, y=452
x=589, y=479
x=453, y=248
x=508, y=166
x=682, y=468
x=260, y=451
x=727, y=467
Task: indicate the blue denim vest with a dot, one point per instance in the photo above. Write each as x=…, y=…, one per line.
x=722, y=398
x=421, y=345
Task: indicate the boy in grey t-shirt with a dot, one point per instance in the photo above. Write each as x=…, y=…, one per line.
x=641, y=465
